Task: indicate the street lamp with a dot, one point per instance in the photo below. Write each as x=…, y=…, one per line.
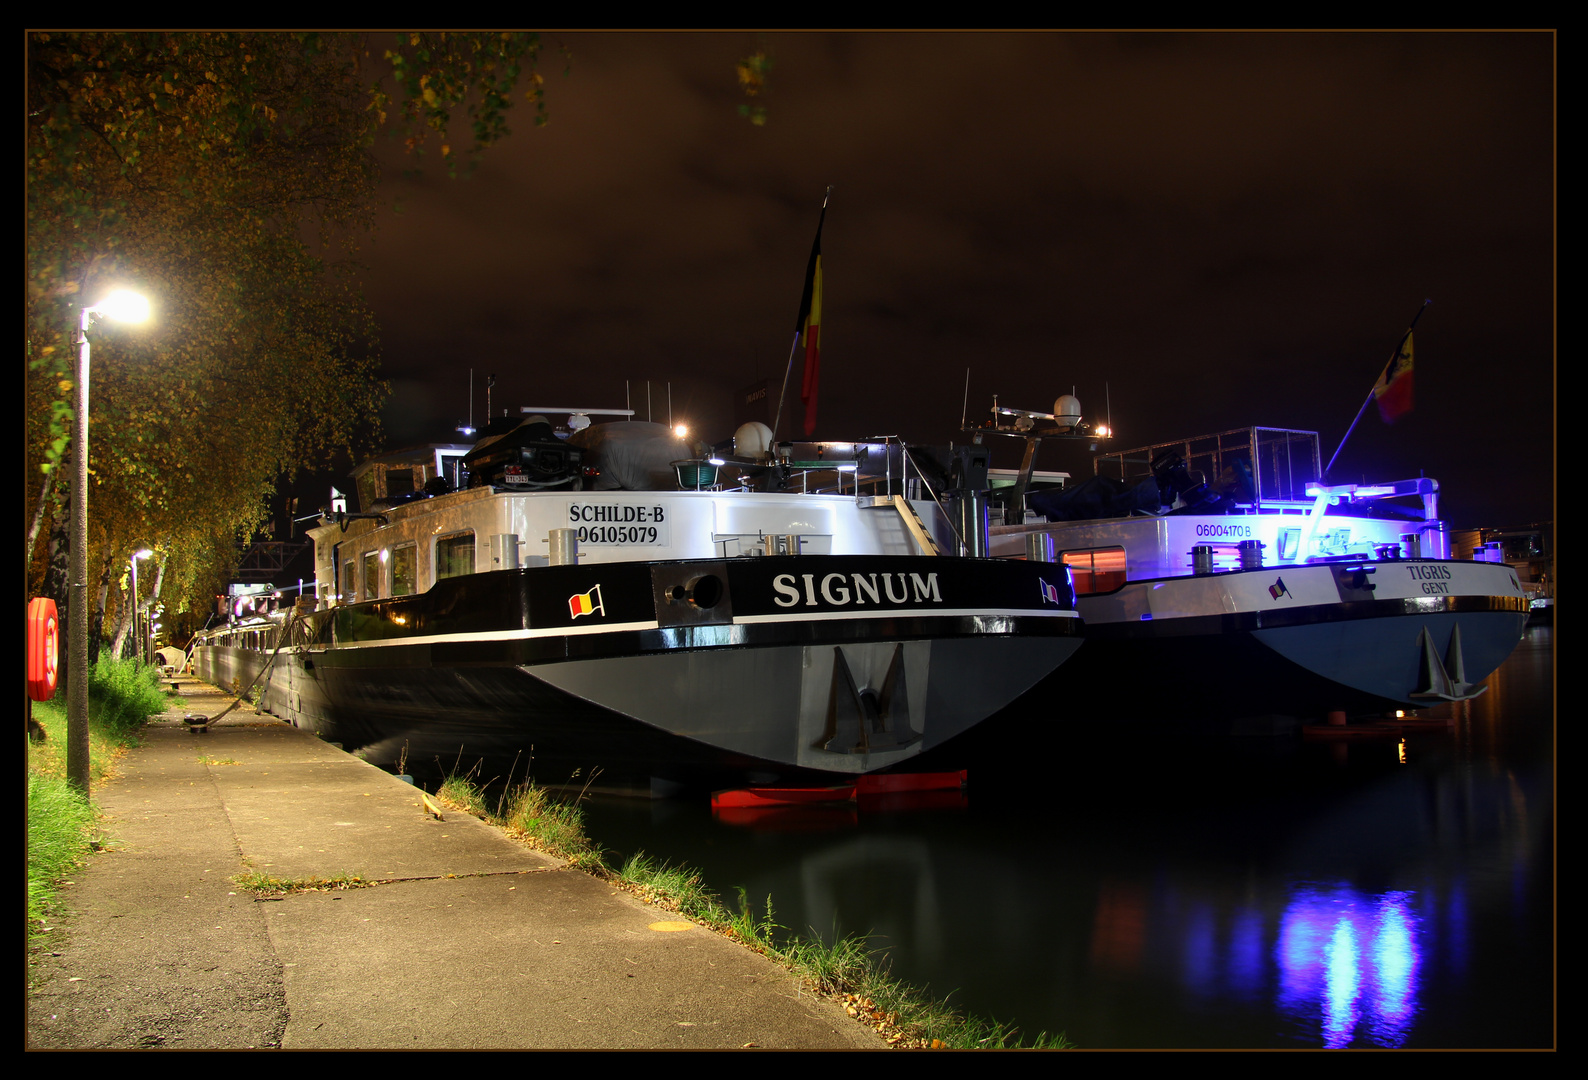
x=137, y=602
x=124, y=307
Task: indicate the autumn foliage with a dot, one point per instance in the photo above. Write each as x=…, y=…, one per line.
x=228, y=177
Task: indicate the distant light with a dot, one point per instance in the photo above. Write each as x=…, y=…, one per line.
x=682, y=431
x=144, y=553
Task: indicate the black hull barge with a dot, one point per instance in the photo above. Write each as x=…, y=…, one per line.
x=759, y=668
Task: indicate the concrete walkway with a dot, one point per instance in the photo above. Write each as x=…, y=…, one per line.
x=474, y=941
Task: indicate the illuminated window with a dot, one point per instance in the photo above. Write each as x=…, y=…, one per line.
x=1096, y=570
x=455, y=555
x=404, y=570
x=371, y=575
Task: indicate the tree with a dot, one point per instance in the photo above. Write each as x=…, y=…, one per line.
x=230, y=176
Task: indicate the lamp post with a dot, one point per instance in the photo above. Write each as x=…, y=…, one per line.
x=126, y=307
x=137, y=601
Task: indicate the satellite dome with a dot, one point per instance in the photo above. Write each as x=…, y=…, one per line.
x=752, y=440
x=1067, y=410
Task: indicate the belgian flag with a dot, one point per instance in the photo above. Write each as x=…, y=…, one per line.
x=809, y=326
x=1393, y=391
x=586, y=604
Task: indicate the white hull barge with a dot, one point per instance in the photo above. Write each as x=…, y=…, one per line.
x=1261, y=591
x=701, y=637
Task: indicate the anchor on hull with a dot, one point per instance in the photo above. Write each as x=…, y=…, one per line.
x=862, y=720
x=1446, y=681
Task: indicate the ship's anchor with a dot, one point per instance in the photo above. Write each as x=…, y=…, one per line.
x=864, y=720
x=1446, y=681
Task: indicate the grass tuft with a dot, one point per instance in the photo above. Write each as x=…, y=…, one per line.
x=255, y=881
x=532, y=814
x=60, y=826
x=123, y=695
x=675, y=888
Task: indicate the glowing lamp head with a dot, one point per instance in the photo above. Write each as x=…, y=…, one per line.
x=124, y=306
x=682, y=431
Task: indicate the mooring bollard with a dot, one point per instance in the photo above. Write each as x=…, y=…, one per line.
x=564, y=547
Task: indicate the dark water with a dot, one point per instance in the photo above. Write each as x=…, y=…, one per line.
x=1110, y=877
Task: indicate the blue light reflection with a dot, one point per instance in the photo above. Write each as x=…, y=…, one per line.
x=1349, y=961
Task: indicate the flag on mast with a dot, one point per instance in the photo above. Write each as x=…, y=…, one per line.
x=1393, y=391
x=809, y=325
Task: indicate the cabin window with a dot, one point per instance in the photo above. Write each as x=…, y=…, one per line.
x=1096, y=570
x=404, y=569
x=400, y=482
x=1289, y=543
x=371, y=575
x=455, y=555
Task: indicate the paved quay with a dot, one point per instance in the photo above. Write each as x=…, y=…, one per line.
x=472, y=941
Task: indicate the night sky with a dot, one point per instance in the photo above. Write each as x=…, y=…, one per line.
x=1204, y=231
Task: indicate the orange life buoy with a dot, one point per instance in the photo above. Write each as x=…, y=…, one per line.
x=44, y=648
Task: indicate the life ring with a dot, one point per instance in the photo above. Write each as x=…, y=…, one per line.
x=44, y=648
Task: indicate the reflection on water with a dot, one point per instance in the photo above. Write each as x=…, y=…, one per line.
x=1348, y=962
x=1136, y=888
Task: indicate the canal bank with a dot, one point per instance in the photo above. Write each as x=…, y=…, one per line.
x=468, y=939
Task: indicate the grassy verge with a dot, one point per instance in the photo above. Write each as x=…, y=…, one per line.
x=530, y=814
x=62, y=825
x=848, y=970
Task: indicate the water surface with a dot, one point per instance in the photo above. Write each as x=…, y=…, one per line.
x=1115, y=877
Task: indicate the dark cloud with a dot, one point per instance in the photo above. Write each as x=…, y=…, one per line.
x=1207, y=230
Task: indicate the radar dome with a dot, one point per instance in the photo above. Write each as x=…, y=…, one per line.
x=1067, y=410
x=752, y=440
